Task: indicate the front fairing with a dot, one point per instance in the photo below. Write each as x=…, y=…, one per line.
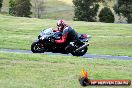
x=46, y=34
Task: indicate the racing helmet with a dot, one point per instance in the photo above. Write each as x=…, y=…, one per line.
x=61, y=24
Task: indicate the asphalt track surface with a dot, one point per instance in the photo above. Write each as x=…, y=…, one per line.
x=85, y=56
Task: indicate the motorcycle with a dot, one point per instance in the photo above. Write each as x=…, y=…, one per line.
x=45, y=43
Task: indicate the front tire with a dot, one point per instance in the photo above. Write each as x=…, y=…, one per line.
x=35, y=48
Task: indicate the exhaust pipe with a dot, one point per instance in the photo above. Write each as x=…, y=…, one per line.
x=82, y=47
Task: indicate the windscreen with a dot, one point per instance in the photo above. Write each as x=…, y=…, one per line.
x=47, y=32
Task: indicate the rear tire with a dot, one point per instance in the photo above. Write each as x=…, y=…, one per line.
x=35, y=48
x=80, y=53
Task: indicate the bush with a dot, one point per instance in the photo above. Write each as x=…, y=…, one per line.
x=23, y=8
x=124, y=7
x=1, y=1
x=12, y=7
x=106, y=15
x=20, y=8
x=85, y=10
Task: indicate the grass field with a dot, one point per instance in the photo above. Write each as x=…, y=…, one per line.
x=45, y=71
x=56, y=71
x=113, y=39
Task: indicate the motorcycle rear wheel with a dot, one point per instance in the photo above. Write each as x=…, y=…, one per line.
x=80, y=53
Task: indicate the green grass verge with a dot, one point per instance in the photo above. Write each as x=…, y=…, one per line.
x=45, y=71
x=114, y=39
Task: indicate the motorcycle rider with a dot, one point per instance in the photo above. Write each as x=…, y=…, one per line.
x=68, y=34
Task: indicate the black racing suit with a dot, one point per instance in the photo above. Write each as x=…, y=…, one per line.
x=68, y=35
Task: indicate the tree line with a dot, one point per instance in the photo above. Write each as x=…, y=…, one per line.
x=1, y=4
x=84, y=10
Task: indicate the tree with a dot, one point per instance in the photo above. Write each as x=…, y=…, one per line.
x=106, y=15
x=23, y=8
x=38, y=8
x=12, y=7
x=86, y=10
x=1, y=1
x=124, y=7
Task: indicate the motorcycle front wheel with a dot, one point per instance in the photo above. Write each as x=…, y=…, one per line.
x=36, y=48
